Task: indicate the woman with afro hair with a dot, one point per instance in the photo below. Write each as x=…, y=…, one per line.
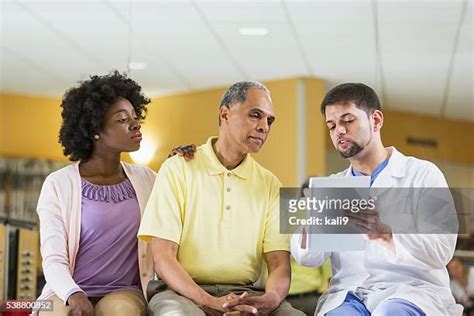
x=90, y=210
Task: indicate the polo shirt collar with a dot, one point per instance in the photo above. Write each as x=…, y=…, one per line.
x=214, y=166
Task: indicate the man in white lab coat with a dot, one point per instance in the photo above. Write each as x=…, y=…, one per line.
x=396, y=274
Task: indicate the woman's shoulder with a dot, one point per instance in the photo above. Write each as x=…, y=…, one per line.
x=68, y=171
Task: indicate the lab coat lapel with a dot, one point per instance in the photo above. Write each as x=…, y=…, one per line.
x=395, y=169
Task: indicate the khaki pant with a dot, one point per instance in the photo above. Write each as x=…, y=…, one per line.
x=119, y=303
x=166, y=302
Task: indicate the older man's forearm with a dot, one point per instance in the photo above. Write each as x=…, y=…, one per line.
x=279, y=275
x=172, y=273
x=278, y=283
x=169, y=270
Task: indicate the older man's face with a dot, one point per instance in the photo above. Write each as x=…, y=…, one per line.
x=249, y=122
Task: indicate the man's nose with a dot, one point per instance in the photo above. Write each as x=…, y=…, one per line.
x=263, y=126
x=341, y=130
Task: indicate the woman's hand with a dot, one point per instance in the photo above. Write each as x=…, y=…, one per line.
x=79, y=305
x=186, y=151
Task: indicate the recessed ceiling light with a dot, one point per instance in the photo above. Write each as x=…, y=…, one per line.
x=253, y=31
x=136, y=65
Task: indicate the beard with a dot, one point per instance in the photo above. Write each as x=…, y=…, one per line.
x=351, y=151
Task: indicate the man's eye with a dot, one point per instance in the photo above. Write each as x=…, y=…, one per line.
x=255, y=115
x=331, y=127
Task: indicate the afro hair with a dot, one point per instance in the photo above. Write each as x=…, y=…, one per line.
x=84, y=107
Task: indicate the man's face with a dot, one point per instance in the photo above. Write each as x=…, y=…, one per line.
x=249, y=123
x=349, y=127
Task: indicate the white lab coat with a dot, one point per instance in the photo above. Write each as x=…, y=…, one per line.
x=416, y=272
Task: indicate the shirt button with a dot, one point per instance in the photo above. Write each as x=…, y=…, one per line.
x=144, y=274
x=229, y=174
x=229, y=189
x=227, y=207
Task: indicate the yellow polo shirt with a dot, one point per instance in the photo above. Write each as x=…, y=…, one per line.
x=223, y=220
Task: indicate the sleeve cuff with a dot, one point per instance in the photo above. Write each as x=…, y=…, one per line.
x=147, y=236
x=71, y=292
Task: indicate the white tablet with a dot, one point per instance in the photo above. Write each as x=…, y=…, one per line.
x=338, y=242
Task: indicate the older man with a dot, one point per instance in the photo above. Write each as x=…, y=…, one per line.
x=213, y=219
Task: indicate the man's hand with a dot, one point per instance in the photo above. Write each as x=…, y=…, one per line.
x=79, y=305
x=255, y=305
x=228, y=305
x=368, y=222
x=186, y=151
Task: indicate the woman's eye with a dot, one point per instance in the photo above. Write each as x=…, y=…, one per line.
x=122, y=120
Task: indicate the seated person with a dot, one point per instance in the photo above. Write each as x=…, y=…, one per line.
x=395, y=274
x=90, y=211
x=213, y=219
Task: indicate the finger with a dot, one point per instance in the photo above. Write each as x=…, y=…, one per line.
x=361, y=226
x=358, y=220
x=232, y=313
x=232, y=303
x=174, y=152
x=230, y=296
x=245, y=309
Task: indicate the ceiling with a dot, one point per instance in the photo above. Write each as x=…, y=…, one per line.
x=417, y=54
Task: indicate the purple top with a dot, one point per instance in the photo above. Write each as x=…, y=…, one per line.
x=107, y=259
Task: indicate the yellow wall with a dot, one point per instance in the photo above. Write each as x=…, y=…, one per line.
x=315, y=128
x=455, y=141
x=30, y=126
x=2, y=118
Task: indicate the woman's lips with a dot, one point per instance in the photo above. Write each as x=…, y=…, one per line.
x=137, y=137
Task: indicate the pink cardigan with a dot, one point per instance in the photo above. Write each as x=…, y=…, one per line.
x=59, y=210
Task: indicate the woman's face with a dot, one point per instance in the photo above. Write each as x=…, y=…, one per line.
x=120, y=129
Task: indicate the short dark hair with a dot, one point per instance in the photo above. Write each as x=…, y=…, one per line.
x=237, y=93
x=83, y=110
x=363, y=96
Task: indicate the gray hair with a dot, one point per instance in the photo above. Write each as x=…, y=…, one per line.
x=237, y=93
